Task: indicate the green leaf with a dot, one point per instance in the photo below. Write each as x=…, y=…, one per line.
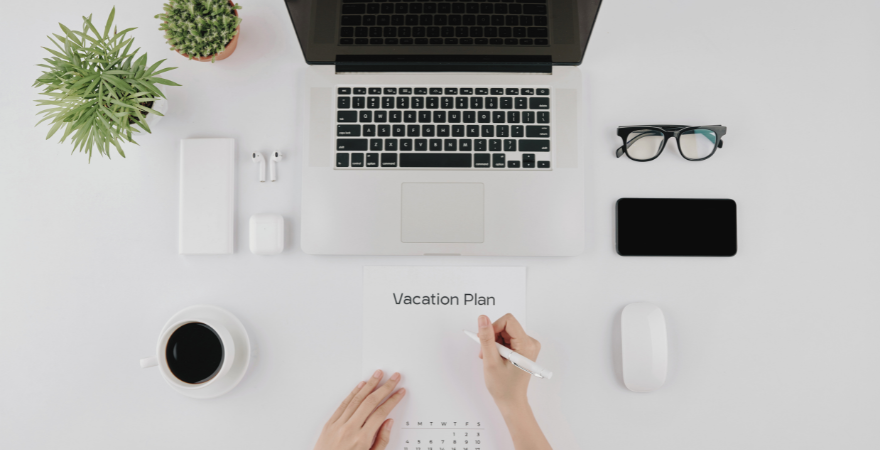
x=117, y=82
x=109, y=23
x=162, y=81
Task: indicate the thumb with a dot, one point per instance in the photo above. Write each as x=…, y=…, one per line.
x=384, y=436
x=487, y=340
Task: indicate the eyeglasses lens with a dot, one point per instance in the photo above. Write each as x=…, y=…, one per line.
x=644, y=144
x=698, y=143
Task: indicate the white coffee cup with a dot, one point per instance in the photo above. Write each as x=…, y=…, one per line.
x=161, y=361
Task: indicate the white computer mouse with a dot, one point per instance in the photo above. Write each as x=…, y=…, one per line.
x=643, y=346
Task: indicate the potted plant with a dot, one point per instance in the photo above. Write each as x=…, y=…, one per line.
x=97, y=91
x=204, y=30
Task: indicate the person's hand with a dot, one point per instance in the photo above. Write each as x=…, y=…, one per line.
x=359, y=422
x=507, y=383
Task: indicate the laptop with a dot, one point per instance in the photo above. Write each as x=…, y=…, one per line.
x=442, y=127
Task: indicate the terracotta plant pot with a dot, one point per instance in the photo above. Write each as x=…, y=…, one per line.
x=230, y=47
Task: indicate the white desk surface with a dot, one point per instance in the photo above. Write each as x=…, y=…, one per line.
x=777, y=347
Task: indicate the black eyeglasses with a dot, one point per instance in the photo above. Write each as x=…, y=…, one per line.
x=646, y=142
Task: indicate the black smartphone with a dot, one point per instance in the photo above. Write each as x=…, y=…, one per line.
x=676, y=227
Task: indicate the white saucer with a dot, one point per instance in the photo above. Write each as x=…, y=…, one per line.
x=223, y=317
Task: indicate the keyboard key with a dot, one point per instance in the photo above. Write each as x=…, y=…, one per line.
x=384, y=130
x=436, y=91
x=528, y=117
x=413, y=130
x=534, y=145
x=516, y=131
x=365, y=116
x=543, y=164
x=473, y=131
x=538, y=131
x=439, y=116
x=513, y=164
x=375, y=145
x=348, y=145
x=527, y=91
x=350, y=21
x=502, y=130
x=458, y=131
x=373, y=102
x=494, y=145
x=375, y=91
x=358, y=102
x=491, y=102
x=488, y=131
x=402, y=102
x=428, y=130
x=521, y=103
x=421, y=145
x=481, y=160
x=511, y=91
x=360, y=91
x=435, y=145
x=510, y=145
x=470, y=117
x=424, y=116
x=543, y=117
x=454, y=117
x=405, y=91
x=543, y=91
x=357, y=160
x=389, y=160
x=421, y=91
x=409, y=116
x=464, y=145
x=342, y=160
x=398, y=130
x=343, y=102
x=529, y=157
x=348, y=130
x=391, y=145
x=451, y=91
x=435, y=160
x=497, y=91
x=466, y=91
x=346, y=116
x=372, y=160
x=443, y=130
x=482, y=91
x=450, y=145
x=539, y=103
x=381, y=116
x=369, y=130
x=432, y=102
x=390, y=91
x=394, y=117
x=461, y=102
x=477, y=102
x=406, y=145
x=418, y=102
x=388, y=102
x=498, y=161
x=506, y=102
x=479, y=145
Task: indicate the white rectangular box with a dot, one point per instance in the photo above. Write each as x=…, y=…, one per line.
x=207, y=192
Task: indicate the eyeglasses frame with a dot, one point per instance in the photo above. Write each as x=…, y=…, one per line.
x=669, y=131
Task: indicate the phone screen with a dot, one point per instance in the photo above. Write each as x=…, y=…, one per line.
x=676, y=227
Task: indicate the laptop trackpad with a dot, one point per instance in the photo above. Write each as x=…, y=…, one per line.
x=441, y=212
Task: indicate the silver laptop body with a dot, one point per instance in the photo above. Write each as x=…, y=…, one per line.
x=399, y=159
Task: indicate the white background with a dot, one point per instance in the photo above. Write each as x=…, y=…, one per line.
x=777, y=347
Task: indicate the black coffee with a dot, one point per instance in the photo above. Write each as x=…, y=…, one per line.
x=194, y=353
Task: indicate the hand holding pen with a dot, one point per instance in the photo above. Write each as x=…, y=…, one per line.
x=507, y=383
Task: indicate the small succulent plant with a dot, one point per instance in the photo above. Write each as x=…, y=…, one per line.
x=96, y=89
x=199, y=28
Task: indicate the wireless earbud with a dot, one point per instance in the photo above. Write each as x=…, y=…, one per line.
x=276, y=156
x=258, y=158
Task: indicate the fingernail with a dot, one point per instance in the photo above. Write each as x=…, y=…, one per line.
x=361, y=384
x=390, y=423
x=484, y=321
x=402, y=391
x=377, y=374
x=395, y=377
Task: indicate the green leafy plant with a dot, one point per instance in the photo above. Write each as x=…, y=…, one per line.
x=199, y=28
x=97, y=91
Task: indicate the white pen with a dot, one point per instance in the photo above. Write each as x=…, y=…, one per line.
x=520, y=361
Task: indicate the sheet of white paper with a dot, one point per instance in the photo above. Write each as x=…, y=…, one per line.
x=413, y=322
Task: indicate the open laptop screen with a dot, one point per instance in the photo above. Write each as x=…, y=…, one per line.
x=550, y=30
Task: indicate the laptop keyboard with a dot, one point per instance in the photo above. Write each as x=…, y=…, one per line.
x=490, y=128
x=444, y=22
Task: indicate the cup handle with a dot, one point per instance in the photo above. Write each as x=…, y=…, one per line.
x=149, y=362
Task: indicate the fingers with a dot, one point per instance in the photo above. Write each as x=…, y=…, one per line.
x=372, y=401
x=487, y=341
x=361, y=394
x=384, y=436
x=336, y=415
x=378, y=417
x=512, y=331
